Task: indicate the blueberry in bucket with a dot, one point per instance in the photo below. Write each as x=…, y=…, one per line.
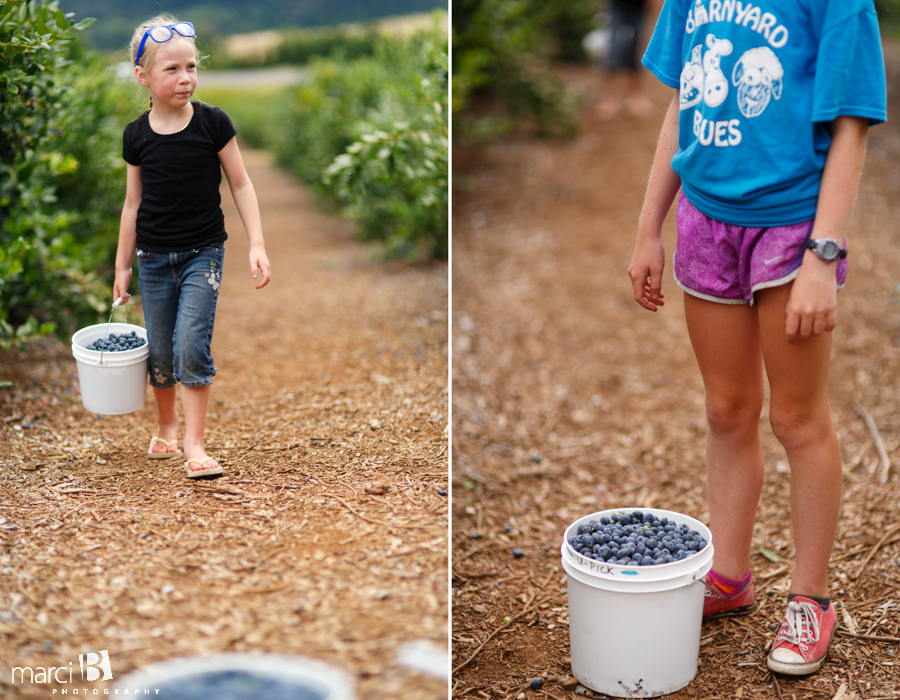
x=636, y=539
x=118, y=343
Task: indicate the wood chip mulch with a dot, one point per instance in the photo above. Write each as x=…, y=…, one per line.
x=327, y=535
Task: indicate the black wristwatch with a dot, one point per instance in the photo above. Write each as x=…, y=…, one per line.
x=827, y=249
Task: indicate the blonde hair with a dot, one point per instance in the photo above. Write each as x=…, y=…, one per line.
x=150, y=46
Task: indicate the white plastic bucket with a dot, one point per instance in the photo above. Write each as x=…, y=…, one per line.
x=111, y=383
x=239, y=676
x=635, y=630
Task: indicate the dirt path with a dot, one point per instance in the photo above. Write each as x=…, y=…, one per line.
x=569, y=399
x=327, y=536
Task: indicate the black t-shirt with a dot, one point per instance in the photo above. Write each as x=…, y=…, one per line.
x=181, y=174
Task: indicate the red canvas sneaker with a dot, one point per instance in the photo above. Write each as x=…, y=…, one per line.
x=802, y=642
x=722, y=602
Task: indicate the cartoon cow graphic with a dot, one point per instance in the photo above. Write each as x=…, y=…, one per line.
x=703, y=79
x=758, y=77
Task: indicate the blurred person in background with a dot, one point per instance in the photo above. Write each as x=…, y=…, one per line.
x=623, y=86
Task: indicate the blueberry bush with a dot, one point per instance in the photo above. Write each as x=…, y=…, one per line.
x=393, y=177
x=370, y=135
x=60, y=174
x=504, y=49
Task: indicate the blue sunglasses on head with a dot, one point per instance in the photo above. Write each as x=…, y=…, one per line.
x=163, y=33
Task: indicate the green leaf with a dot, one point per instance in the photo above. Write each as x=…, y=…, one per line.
x=770, y=555
x=85, y=23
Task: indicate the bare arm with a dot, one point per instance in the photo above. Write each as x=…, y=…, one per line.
x=648, y=261
x=134, y=191
x=812, y=306
x=248, y=208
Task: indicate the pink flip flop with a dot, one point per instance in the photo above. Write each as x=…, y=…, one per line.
x=162, y=455
x=194, y=473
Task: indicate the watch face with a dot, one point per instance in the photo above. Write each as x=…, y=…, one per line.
x=829, y=250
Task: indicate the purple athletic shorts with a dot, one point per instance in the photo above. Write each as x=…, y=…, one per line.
x=729, y=263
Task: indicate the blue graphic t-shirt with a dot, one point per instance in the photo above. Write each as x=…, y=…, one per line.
x=758, y=85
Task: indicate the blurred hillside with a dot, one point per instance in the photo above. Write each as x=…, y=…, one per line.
x=116, y=20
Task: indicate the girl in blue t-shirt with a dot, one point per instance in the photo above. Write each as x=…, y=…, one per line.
x=173, y=222
x=765, y=137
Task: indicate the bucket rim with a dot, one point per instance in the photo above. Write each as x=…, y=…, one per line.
x=627, y=572
x=329, y=678
x=81, y=333
x=110, y=359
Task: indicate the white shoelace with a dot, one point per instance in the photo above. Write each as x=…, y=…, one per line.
x=801, y=619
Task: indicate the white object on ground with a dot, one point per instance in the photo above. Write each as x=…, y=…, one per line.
x=422, y=655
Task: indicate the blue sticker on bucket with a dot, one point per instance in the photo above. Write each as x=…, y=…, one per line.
x=630, y=573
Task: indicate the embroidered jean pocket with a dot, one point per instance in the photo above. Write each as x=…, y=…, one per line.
x=214, y=276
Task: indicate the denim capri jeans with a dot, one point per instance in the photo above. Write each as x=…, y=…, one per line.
x=179, y=293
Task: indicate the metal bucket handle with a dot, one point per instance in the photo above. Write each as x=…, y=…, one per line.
x=115, y=306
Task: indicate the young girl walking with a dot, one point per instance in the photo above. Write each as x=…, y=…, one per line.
x=765, y=137
x=173, y=222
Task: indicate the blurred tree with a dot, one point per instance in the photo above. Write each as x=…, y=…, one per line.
x=566, y=24
x=504, y=48
x=888, y=14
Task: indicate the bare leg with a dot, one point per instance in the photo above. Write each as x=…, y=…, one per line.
x=725, y=338
x=637, y=104
x=195, y=401
x=801, y=420
x=168, y=418
x=613, y=93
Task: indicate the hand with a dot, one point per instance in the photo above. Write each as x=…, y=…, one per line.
x=812, y=304
x=646, y=270
x=259, y=263
x=120, y=286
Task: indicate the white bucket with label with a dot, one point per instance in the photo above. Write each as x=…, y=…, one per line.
x=111, y=383
x=635, y=630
